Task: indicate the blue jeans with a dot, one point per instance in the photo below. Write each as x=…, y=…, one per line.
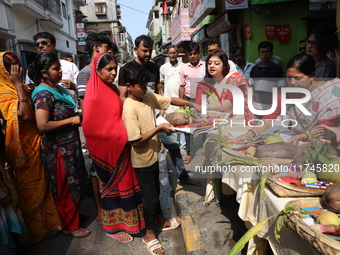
x=182, y=143
x=170, y=142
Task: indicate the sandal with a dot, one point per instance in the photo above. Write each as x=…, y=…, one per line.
x=80, y=233
x=173, y=225
x=117, y=237
x=152, y=246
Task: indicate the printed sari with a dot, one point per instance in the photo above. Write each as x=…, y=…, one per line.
x=22, y=150
x=324, y=106
x=106, y=139
x=232, y=78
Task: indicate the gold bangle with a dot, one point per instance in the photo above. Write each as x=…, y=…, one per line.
x=72, y=121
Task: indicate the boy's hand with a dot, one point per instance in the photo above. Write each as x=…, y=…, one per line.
x=167, y=127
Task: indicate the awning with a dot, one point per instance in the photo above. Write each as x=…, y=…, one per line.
x=180, y=30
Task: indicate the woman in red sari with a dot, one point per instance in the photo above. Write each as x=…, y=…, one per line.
x=218, y=72
x=106, y=139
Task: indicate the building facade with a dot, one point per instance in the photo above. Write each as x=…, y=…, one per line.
x=21, y=19
x=105, y=17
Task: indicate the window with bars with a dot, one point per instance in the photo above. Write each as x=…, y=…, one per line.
x=100, y=8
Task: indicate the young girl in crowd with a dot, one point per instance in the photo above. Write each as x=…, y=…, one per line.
x=22, y=150
x=61, y=147
x=106, y=138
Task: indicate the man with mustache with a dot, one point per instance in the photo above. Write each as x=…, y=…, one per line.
x=143, y=51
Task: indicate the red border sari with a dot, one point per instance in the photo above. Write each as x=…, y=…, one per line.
x=106, y=139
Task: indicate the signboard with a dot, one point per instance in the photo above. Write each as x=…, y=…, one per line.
x=198, y=10
x=230, y=5
x=219, y=26
x=322, y=5
x=200, y=36
x=81, y=33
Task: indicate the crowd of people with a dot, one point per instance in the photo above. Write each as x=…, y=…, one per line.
x=42, y=170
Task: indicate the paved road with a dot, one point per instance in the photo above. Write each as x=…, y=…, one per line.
x=98, y=243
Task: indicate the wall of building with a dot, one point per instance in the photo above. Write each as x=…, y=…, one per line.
x=90, y=11
x=292, y=14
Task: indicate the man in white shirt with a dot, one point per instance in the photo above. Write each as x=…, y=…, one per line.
x=169, y=76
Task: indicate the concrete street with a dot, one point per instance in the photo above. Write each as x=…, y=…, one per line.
x=217, y=228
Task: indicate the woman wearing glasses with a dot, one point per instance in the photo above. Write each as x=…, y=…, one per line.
x=321, y=45
x=323, y=105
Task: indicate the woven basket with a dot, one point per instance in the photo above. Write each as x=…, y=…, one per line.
x=284, y=189
x=322, y=243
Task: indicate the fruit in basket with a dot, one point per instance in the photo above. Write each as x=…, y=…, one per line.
x=177, y=118
x=332, y=173
x=251, y=151
x=328, y=218
x=273, y=139
x=308, y=177
x=331, y=197
x=277, y=150
x=334, y=229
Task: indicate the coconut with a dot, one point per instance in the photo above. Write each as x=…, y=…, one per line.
x=331, y=197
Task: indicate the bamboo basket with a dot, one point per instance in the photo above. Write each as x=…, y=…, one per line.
x=284, y=189
x=321, y=242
